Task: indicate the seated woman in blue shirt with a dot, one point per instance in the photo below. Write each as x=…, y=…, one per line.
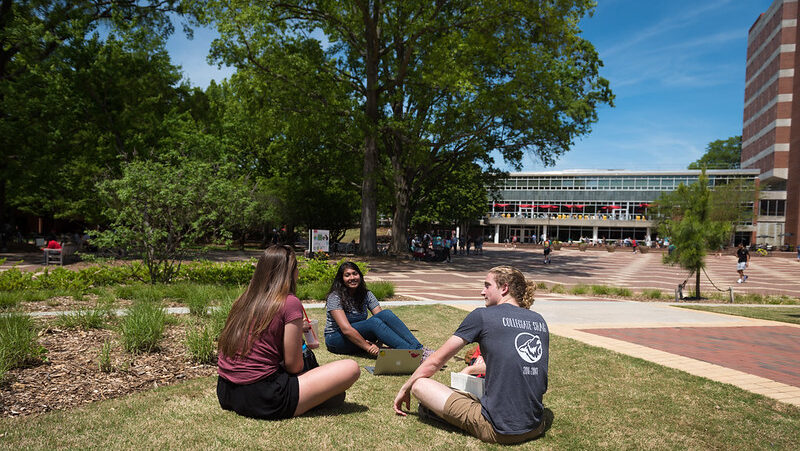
x=348, y=330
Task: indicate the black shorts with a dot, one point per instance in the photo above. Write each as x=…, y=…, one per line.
x=547, y=251
x=273, y=398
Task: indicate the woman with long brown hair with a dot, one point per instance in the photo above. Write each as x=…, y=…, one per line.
x=260, y=360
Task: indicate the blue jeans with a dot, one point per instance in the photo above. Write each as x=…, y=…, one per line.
x=385, y=327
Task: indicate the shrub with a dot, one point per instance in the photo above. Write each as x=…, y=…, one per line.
x=541, y=286
x=200, y=344
x=312, y=270
x=14, y=279
x=226, y=273
x=557, y=288
x=600, y=290
x=579, y=289
x=611, y=247
x=84, y=319
x=652, y=294
x=382, y=290
x=64, y=279
x=142, y=327
x=18, y=341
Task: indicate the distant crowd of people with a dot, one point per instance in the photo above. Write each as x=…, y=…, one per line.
x=433, y=247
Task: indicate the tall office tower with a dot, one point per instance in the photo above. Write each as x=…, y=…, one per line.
x=770, y=139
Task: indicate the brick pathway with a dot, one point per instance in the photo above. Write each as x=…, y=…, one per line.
x=770, y=352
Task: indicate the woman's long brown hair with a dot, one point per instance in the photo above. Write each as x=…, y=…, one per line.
x=265, y=296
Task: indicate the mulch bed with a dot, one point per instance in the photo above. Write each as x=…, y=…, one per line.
x=71, y=376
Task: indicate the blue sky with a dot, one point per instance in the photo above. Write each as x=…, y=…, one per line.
x=675, y=66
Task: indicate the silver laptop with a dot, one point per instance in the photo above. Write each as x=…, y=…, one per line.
x=396, y=361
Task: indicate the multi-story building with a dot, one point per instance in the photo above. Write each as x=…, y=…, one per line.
x=770, y=140
x=591, y=204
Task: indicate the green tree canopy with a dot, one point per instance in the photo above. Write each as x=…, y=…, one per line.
x=35, y=102
x=721, y=154
x=429, y=85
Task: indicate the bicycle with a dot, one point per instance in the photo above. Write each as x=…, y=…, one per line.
x=762, y=252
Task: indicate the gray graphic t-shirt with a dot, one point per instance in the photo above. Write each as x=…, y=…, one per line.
x=515, y=344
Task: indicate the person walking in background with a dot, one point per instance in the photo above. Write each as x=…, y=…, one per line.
x=547, y=251
x=635, y=245
x=743, y=257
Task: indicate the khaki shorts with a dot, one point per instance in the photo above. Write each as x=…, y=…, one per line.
x=463, y=410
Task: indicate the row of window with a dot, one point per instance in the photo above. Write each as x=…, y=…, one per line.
x=648, y=183
x=772, y=207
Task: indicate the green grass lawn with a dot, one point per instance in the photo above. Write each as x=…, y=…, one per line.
x=782, y=314
x=600, y=399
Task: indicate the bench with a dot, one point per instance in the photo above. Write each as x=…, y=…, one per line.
x=53, y=256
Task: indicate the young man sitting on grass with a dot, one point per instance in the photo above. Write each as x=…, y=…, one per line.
x=514, y=343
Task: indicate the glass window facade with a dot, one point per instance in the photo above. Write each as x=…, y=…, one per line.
x=599, y=195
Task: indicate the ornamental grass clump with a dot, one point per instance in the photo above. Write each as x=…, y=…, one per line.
x=104, y=360
x=198, y=306
x=652, y=294
x=84, y=319
x=18, y=341
x=9, y=299
x=601, y=290
x=219, y=315
x=200, y=344
x=317, y=290
x=622, y=292
x=143, y=327
x=381, y=290
x=579, y=289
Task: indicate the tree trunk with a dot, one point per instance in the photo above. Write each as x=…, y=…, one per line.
x=697, y=283
x=368, y=244
x=402, y=216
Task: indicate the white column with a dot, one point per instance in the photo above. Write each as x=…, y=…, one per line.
x=544, y=233
x=496, y=233
x=647, y=234
x=594, y=234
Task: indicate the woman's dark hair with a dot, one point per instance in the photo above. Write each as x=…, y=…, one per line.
x=357, y=299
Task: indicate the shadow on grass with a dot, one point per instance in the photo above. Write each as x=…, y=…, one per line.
x=335, y=409
x=438, y=422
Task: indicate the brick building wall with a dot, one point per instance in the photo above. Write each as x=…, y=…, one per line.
x=770, y=138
